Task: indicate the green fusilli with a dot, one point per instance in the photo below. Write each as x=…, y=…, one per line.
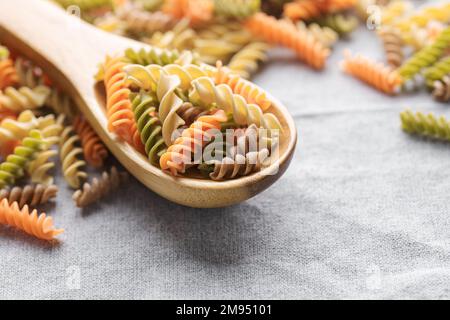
x=149, y=126
x=425, y=57
x=425, y=125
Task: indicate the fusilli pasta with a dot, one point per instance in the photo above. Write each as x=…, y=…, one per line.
x=32, y=195
x=99, y=188
x=94, y=150
x=280, y=32
x=425, y=125
x=375, y=74
x=70, y=158
x=39, y=226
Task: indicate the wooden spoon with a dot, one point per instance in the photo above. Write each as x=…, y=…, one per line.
x=70, y=51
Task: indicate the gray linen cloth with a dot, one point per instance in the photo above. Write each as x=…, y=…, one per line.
x=361, y=213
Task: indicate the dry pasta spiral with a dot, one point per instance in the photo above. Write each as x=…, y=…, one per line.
x=138, y=22
x=38, y=168
x=191, y=142
x=11, y=129
x=70, y=155
x=32, y=195
x=152, y=56
x=283, y=33
x=94, y=150
x=190, y=113
x=118, y=105
x=236, y=8
x=242, y=87
x=206, y=93
x=309, y=9
x=340, y=23
x=425, y=125
x=13, y=168
x=425, y=57
x=239, y=166
x=393, y=46
x=437, y=71
x=197, y=11
x=39, y=226
x=245, y=62
x=99, y=188
x=375, y=74
x=149, y=126
x=8, y=75
x=325, y=35
x=18, y=100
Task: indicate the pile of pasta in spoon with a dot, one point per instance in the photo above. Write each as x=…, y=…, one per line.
x=176, y=108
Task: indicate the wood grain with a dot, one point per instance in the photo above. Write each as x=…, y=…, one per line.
x=70, y=51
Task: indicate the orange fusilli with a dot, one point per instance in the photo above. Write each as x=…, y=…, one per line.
x=280, y=32
x=373, y=73
x=8, y=74
x=94, y=150
x=36, y=225
x=192, y=140
x=118, y=105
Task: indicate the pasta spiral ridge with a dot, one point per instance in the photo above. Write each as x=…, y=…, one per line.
x=437, y=71
x=425, y=57
x=245, y=62
x=284, y=33
x=190, y=113
x=205, y=93
x=441, y=91
x=149, y=126
x=236, y=8
x=375, y=74
x=309, y=9
x=425, y=125
x=240, y=166
x=302, y=10
x=13, y=168
x=152, y=56
x=39, y=167
x=39, y=226
x=11, y=129
x=325, y=35
x=192, y=140
x=118, y=105
x=342, y=24
x=70, y=155
x=8, y=75
x=181, y=37
x=393, y=46
x=94, y=150
x=242, y=87
x=33, y=195
x=197, y=11
x=24, y=98
x=99, y=188
x=142, y=22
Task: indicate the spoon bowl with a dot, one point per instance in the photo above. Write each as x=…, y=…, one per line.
x=70, y=51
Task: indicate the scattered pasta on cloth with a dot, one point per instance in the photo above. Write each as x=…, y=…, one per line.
x=182, y=96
